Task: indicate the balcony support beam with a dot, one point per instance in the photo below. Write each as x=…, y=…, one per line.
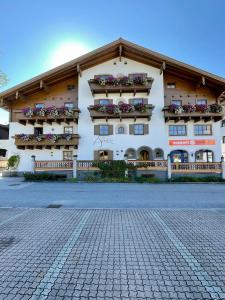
x=43, y=86
x=20, y=96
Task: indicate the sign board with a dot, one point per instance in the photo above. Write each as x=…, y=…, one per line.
x=191, y=142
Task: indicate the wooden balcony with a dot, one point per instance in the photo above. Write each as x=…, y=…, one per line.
x=18, y=116
x=192, y=116
x=96, y=88
x=31, y=142
x=129, y=115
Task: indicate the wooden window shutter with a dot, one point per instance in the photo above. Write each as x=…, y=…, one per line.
x=110, y=154
x=96, y=155
x=145, y=128
x=110, y=129
x=145, y=101
x=96, y=129
x=96, y=102
x=131, y=129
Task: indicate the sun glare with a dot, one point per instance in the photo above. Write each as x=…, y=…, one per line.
x=67, y=52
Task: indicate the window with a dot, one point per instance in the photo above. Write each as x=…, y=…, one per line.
x=38, y=130
x=102, y=76
x=137, y=101
x=121, y=130
x=67, y=155
x=68, y=129
x=177, y=102
x=204, y=156
x=201, y=101
x=177, y=130
x=39, y=105
x=202, y=129
x=138, y=129
x=104, y=101
x=69, y=105
x=134, y=76
x=103, y=130
x=171, y=85
x=103, y=155
x=70, y=87
x=159, y=153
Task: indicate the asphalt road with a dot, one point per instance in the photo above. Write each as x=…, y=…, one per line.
x=16, y=193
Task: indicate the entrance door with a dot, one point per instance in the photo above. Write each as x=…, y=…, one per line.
x=179, y=156
x=144, y=155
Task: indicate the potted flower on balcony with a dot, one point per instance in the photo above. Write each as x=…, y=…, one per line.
x=141, y=107
x=53, y=111
x=41, y=112
x=39, y=138
x=52, y=137
x=189, y=108
x=25, y=137
x=176, y=109
x=67, y=136
x=216, y=108
x=202, y=108
x=28, y=112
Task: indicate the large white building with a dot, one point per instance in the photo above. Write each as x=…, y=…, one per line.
x=119, y=100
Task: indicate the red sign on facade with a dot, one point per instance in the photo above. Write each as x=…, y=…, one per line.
x=191, y=142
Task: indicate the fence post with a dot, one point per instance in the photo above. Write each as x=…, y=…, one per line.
x=223, y=167
x=126, y=170
x=169, y=167
x=33, y=164
x=75, y=166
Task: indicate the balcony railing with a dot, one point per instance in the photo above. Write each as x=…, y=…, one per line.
x=116, y=113
x=149, y=164
x=109, y=84
x=197, y=113
x=49, y=165
x=58, y=115
x=196, y=167
x=48, y=141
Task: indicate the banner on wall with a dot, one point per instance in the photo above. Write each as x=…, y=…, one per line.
x=191, y=142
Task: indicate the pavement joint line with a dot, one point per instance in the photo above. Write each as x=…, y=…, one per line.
x=47, y=282
x=210, y=285
x=14, y=217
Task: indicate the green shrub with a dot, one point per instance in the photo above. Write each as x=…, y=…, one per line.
x=197, y=179
x=106, y=179
x=147, y=178
x=112, y=168
x=43, y=177
x=13, y=162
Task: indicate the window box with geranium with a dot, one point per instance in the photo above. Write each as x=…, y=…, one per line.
x=122, y=110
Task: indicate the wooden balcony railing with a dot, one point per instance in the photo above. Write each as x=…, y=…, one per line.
x=133, y=114
x=96, y=88
x=195, y=116
x=19, y=116
x=196, y=167
x=149, y=164
x=47, y=141
x=48, y=165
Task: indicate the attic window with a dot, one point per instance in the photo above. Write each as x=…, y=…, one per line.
x=70, y=87
x=171, y=85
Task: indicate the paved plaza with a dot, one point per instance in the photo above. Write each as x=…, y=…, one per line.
x=174, y=251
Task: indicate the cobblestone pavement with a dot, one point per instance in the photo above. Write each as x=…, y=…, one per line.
x=112, y=254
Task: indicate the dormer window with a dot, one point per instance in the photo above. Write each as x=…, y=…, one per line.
x=171, y=85
x=134, y=76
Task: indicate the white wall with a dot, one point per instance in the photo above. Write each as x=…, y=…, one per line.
x=157, y=136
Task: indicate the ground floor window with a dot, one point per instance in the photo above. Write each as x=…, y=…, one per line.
x=67, y=155
x=179, y=156
x=204, y=156
x=68, y=129
x=177, y=130
x=103, y=155
x=3, y=152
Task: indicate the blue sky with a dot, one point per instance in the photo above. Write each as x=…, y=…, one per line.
x=34, y=34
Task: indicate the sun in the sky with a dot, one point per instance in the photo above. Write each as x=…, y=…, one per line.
x=67, y=51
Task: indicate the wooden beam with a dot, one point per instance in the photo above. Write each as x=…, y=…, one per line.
x=120, y=51
x=79, y=70
x=203, y=80
x=43, y=86
x=163, y=67
x=20, y=96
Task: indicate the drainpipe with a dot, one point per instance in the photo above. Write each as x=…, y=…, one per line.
x=75, y=166
x=223, y=167
x=33, y=164
x=169, y=167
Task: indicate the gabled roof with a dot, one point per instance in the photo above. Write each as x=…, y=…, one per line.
x=118, y=48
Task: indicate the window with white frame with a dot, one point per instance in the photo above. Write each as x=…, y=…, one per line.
x=68, y=129
x=69, y=105
x=137, y=101
x=67, y=155
x=103, y=101
x=121, y=130
x=203, y=129
x=201, y=101
x=103, y=130
x=171, y=85
x=177, y=130
x=138, y=129
x=39, y=105
x=176, y=102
